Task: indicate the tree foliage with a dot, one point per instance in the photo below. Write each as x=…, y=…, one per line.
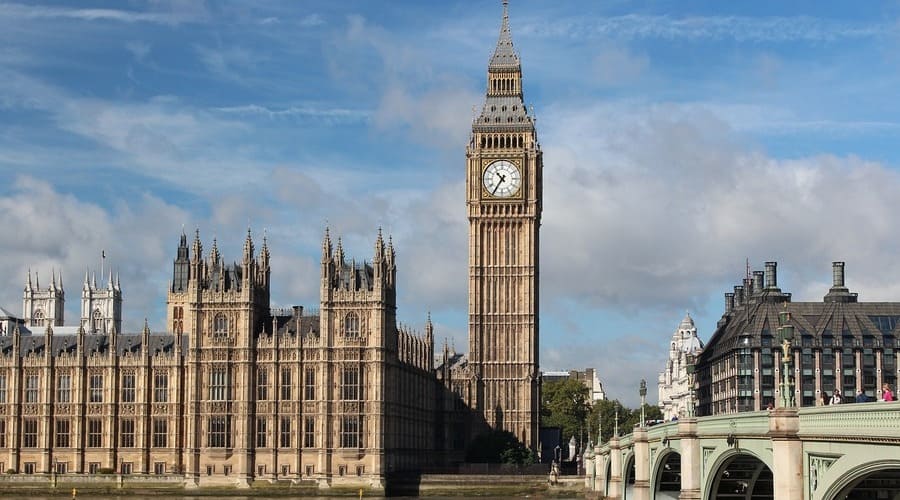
x=498, y=447
x=566, y=404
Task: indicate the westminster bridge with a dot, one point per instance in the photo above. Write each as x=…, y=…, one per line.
x=849, y=451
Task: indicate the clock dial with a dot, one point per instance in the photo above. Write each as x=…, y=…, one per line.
x=502, y=179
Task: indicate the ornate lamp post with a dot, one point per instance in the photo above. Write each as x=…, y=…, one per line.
x=786, y=334
x=691, y=366
x=643, y=393
x=599, y=425
x=616, y=422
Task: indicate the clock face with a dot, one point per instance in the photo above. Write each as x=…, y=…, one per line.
x=502, y=179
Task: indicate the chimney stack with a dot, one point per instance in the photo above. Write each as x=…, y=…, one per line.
x=757, y=282
x=738, y=296
x=837, y=272
x=771, y=275
x=729, y=302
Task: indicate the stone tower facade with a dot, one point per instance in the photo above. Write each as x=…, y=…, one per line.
x=503, y=194
x=674, y=383
x=222, y=307
x=43, y=307
x=101, y=307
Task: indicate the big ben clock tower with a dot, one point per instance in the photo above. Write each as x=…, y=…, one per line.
x=503, y=195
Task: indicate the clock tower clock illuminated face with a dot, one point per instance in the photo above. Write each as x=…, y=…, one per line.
x=504, y=203
x=502, y=179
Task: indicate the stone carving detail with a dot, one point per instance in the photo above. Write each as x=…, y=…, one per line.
x=706, y=454
x=817, y=467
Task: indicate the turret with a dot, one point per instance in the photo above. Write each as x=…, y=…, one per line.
x=182, y=266
x=28, y=286
x=48, y=341
x=248, y=250
x=263, y=261
x=145, y=338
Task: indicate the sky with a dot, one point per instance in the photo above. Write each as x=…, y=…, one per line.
x=681, y=139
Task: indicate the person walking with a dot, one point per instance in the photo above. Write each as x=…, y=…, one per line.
x=861, y=397
x=886, y=393
x=835, y=398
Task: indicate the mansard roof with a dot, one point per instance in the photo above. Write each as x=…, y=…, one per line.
x=816, y=324
x=356, y=276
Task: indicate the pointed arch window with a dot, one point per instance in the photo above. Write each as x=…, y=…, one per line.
x=220, y=325
x=96, y=321
x=37, y=319
x=351, y=325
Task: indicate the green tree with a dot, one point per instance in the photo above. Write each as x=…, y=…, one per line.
x=498, y=447
x=566, y=404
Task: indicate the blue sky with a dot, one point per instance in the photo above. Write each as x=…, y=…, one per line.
x=680, y=139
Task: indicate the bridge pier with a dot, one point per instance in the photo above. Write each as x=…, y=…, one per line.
x=787, y=454
x=690, y=459
x=615, y=470
x=641, y=465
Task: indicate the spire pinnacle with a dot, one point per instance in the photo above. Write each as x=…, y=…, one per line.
x=28, y=280
x=504, y=55
x=326, y=245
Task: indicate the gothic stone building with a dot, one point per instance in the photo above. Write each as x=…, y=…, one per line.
x=235, y=391
x=839, y=343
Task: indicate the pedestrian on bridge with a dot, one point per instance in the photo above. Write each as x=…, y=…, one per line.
x=861, y=397
x=886, y=393
x=835, y=397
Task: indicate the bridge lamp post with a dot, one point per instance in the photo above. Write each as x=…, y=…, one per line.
x=643, y=393
x=786, y=333
x=691, y=366
x=616, y=422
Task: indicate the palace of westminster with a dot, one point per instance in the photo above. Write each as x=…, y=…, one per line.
x=234, y=391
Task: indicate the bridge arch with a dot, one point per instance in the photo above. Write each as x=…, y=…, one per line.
x=665, y=479
x=741, y=470
x=883, y=474
x=628, y=476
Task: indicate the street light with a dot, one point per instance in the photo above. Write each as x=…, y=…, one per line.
x=643, y=392
x=691, y=366
x=786, y=334
x=616, y=422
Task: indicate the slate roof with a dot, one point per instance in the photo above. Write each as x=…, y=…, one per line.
x=163, y=342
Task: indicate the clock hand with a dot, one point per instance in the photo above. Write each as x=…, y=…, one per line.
x=496, y=187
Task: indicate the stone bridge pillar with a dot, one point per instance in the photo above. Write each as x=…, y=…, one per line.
x=787, y=454
x=600, y=468
x=690, y=459
x=641, y=465
x=615, y=469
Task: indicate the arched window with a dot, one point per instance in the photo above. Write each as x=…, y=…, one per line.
x=96, y=321
x=178, y=323
x=37, y=319
x=351, y=325
x=220, y=325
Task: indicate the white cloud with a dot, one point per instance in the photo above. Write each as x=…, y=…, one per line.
x=618, y=65
x=19, y=11
x=743, y=29
x=57, y=231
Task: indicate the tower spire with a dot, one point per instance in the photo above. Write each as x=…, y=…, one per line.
x=504, y=54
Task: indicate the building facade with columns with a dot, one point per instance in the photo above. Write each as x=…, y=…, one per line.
x=840, y=344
